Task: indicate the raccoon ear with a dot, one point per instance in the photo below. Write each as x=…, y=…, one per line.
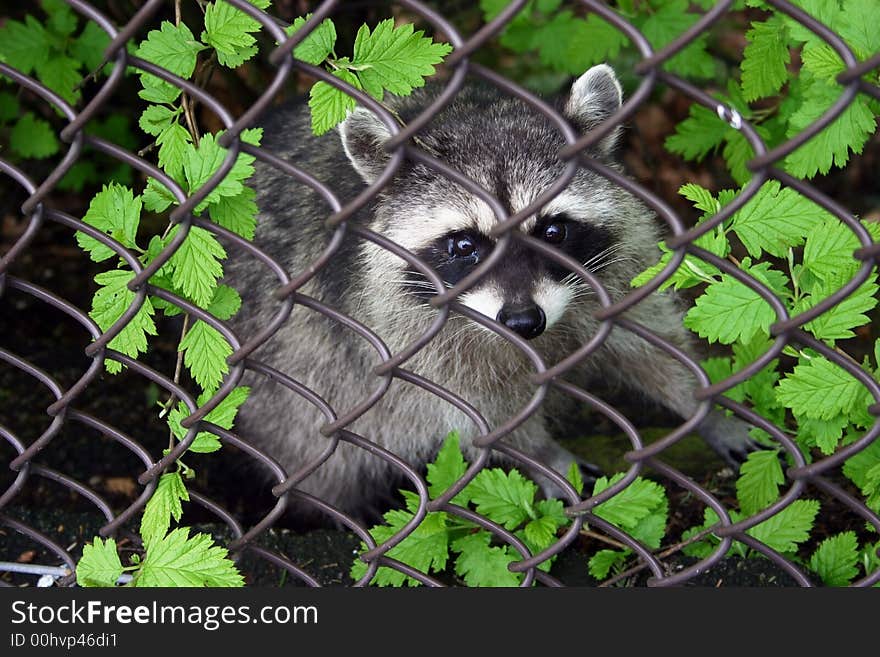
x=594, y=97
x=362, y=136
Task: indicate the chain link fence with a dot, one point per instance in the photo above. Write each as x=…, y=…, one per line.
x=26, y=451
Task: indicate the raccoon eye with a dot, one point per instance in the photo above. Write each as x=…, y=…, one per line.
x=462, y=246
x=554, y=232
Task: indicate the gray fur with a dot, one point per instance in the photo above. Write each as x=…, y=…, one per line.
x=506, y=148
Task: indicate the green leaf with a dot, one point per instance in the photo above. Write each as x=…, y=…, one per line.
x=174, y=144
x=697, y=135
x=329, y=106
x=447, y=468
x=503, y=497
x=116, y=211
x=196, y=265
x=571, y=45
x=396, y=59
x=785, y=529
x=858, y=26
x=824, y=434
x=237, y=213
x=318, y=45
x=603, y=561
x=765, y=59
x=481, y=565
x=848, y=132
x=200, y=163
x=205, y=352
x=90, y=45
x=61, y=74
x=824, y=11
x=631, y=505
x=729, y=311
x=230, y=32
x=178, y=560
x=99, y=565
x=164, y=505
x=835, y=559
x=33, y=137
x=828, y=251
x=156, y=118
x=426, y=548
x=759, y=481
x=156, y=197
x=225, y=303
x=856, y=467
x=574, y=478
x=111, y=300
x=820, y=389
x=822, y=60
x=175, y=49
x=62, y=20
x=667, y=23
x=838, y=322
x=24, y=46
x=776, y=219
x=223, y=416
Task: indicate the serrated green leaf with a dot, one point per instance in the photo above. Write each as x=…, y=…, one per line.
x=225, y=303
x=697, y=135
x=759, y=481
x=174, y=144
x=784, y=530
x=174, y=48
x=858, y=26
x=822, y=60
x=116, y=211
x=634, y=503
x=230, y=32
x=481, y=565
x=820, y=389
x=503, y=497
x=396, y=59
x=776, y=219
x=828, y=251
x=426, y=548
x=61, y=18
x=856, y=467
x=848, y=132
x=838, y=322
x=33, y=137
x=156, y=197
x=205, y=352
x=90, y=45
x=765, y=59
x=318, y=45
x=24, y=46
x=223, y=416
x=236, y=213
x=670, y=20
x=835, y=559
x=156, y=118
x=329, y=106
x=571, y=45
x=180, y=561
x=99, y=565
x=603, y=561
x=729, y=311
x=164, y=505
x=200, y=163
x=61, y=74
x=197, y=265
x=447, y=468
x=111, y=300
x=574, y=478
x=824, y=434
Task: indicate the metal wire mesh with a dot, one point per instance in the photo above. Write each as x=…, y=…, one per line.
x=64, y=410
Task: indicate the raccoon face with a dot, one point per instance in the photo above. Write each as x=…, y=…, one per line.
x=511, y=151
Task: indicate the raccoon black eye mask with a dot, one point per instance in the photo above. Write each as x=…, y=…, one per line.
x=510, y=150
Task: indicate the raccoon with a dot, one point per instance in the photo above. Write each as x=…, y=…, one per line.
x=510, y=150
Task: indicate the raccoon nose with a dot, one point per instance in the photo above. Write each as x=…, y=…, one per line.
x=529, y=321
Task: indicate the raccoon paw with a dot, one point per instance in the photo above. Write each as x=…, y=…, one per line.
x=729, y=437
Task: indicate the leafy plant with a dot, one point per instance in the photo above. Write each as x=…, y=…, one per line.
x=388, y=58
